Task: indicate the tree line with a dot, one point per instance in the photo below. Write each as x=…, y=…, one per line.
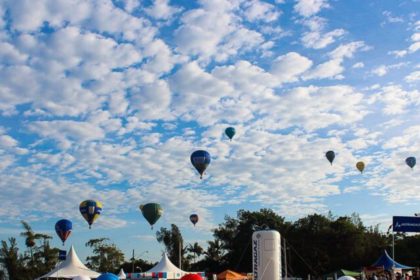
x=316, y=244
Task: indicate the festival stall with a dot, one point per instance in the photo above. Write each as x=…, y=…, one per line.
x=339, y=273
x=70, y=268
x=231, y=275
x=165, y=269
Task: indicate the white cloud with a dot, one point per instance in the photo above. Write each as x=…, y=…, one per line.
x=396, y=100
x=290, y=66
x=318, y=40
x=413, y=77
x=309, y=8
x=161, y=10
x=383, y=69
x=256, y=10
x=358, y=65
x=7, y=142
x=330, y=69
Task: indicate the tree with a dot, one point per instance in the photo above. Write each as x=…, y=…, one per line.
x=195, y=249
x=172, y=239
x=10, y=259
x=107, y=258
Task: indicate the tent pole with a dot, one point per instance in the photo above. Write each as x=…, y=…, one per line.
x=285, y=257
x=58, y=268
x=393, y=250
x=180, y=255
x=133, y=261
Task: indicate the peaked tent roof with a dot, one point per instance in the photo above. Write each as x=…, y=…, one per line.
x=340, y=272
x=229, y=274
x=121, y=275
x=165, y=265
x=386, y=261
x=71, y=268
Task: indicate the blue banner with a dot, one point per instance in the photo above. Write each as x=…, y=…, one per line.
x=405, y=224
x=62, y=255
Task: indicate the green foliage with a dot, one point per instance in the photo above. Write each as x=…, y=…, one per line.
x=172, y=239
x=107, y=257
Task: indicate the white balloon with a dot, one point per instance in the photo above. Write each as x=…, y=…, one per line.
x=82, y=277
x=346, y=278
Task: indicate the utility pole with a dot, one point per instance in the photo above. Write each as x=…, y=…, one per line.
x=180, y=255
x=133, y=261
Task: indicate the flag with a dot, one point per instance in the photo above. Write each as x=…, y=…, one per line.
x=62, y=255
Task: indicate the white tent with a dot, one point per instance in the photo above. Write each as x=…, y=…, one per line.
x=165, y=265
x=70, y=268
x=121, y=275
x=163, y=270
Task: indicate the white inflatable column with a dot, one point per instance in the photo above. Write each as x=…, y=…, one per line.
x=266, y=255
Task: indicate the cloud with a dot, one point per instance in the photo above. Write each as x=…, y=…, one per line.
x=383, y=69
x=309, y=8
x=413, y=77
x=396, y=100
x=288, y=67
x=256, y=10
x=318, y=40
x=161, y=10
x=358, y=65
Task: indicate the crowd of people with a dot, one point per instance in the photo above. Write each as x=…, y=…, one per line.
x=389, y=275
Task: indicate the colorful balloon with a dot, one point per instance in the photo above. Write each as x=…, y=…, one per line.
x=330, y=156
x=200, y=160
x=360, y=166
x=411, y=161
x=63, y=228
x=108, y=276
x=151, y=212
x=230, y=132
x=90, y=210
x=194, y=218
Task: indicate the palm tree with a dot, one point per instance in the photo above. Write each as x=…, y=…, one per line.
x=196, y=249
x=29, y=237
x=215, y=251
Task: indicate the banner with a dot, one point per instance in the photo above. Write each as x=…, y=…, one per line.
x=62, y=255
x=405, y=224
x=369, y=270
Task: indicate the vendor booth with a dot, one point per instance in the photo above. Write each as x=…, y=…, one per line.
x=70, y=268
x=231, y=275
x=388, y=263
x=165, y=269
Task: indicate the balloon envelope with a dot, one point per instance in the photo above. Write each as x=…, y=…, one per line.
x=330, y=156
x=200, y=160
x=230, y=132
x=411, y=161
x=90, y=210
x=63, y=228
x=108, y=276
x=360, y=166
x=191, y=277
x=194, y=218
x=82, y=277
x=151, y=212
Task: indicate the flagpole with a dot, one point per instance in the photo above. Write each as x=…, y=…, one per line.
x=58, y=268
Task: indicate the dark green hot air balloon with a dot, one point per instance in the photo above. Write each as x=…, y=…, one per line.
x=330, y=155
x=151, y=212
x=230, y=132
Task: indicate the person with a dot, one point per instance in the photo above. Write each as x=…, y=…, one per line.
x=374, y=277
x=416, y=276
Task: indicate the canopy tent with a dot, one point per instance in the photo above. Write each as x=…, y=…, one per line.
x=121, y=275
x=230, y=275
x=340, y=273
x=388, y=263
x=164, y=269
x=70, y=268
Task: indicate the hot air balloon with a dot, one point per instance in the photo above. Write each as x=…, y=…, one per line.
x=411, y=161
x=361, y=166
x=90, y=210
x=63, y=228
x=108, y=276
x=230, y=132
x=194, y=218
x=151, y=212
x=200, y=160
x=330, y=156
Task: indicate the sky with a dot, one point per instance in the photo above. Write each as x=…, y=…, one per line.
x=107, y=100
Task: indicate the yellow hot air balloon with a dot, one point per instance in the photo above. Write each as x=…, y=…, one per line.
x=361, y=166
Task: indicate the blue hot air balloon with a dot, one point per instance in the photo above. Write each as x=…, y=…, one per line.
x=330, y=156
x=108, y=276
x=411, y=161
x=200, y=160
x=230, y=132
x=194, y=218
x=63, y=228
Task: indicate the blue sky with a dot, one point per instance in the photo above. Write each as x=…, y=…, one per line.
x=107, y=100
